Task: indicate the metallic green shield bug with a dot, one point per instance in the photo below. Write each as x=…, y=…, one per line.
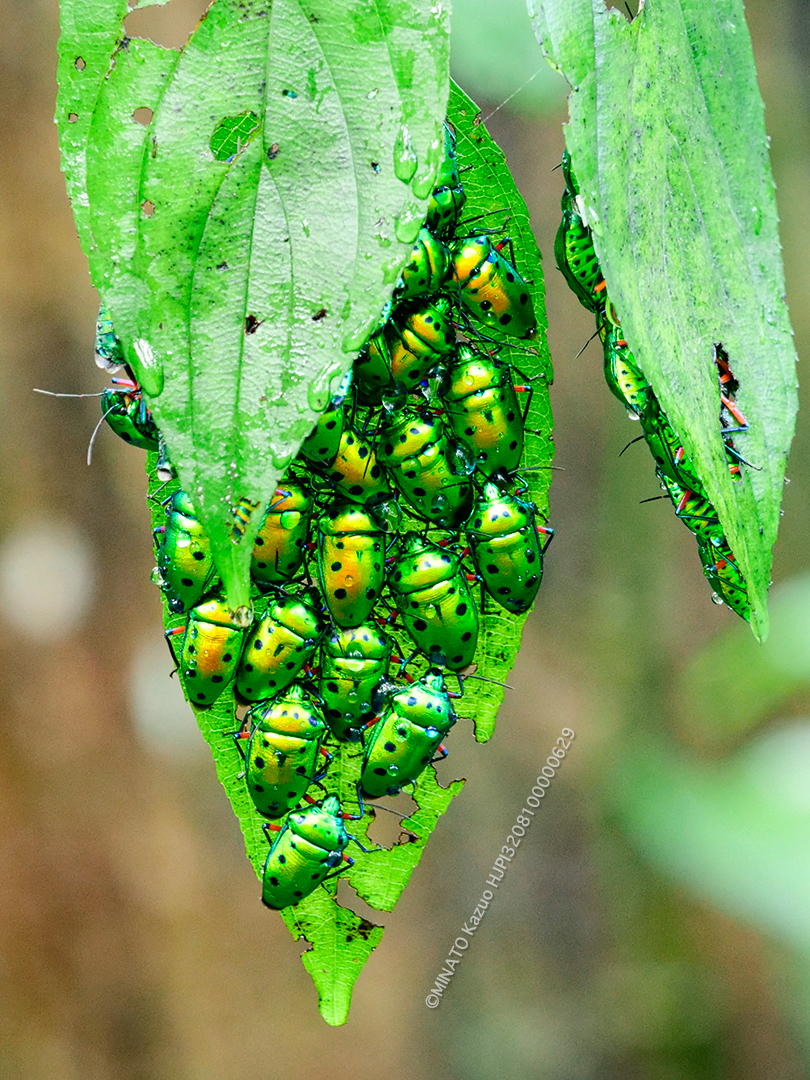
x=666, y=449
x=399, y=355
x=405, y=738
x=308, y=847
x=574, y=250
x=353, y=664
x=424, y=466
x=721, y=569
x=622, y=373
x=491, y=288
x=447, y=198
x=279, y=548
x=432, y=595
x=109, y=354
x=483, y=411
x=281, y=642
x=506, y=548
x=322, y=445
x=283, y=751
x=426, y=270
x=356, y=473
x=694, y=509
x=210, y=651
x=126, y=413
x=349, y=562
x=185, y=562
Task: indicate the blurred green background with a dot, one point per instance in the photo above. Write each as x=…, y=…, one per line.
x=655, y=923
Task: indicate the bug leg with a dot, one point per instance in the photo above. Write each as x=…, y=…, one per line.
x=441, y=753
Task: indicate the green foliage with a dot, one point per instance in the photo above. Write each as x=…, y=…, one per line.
x=241, y=285
x=684, y=223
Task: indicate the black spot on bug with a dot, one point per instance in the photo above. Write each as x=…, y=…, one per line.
x=390, y=747
x=259, y=762
x=199, y=555
x=419, y=624
x=505, y=319
x=465, y=637
x=340, y=594
x=461, y=609
x=187, y=582
x=216, y=678
x=226, y=658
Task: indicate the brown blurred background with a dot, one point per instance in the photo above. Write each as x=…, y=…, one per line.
x=655, y=923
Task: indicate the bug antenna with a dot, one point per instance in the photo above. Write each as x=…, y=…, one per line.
x=638, y=438
x=587, y=343
x=655, y=498
x=52, y=393
x=484, y=678
x=95, y=432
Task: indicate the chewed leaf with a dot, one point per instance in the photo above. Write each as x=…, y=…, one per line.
x=684, y=223
x=246, y=240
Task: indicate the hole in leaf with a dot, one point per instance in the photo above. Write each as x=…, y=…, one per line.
x=72, y=117
x=232, y=134
x=79, y=63
x=628, y=8
x=170, y=25
x=143, y=116
x=148, y=207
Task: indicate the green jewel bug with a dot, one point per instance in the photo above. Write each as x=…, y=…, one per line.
x=574, y=250
x=723, y=573
x=310, y=844
x=354, y=662
x=185, y=562
x=109, y=353
x=432, y=595
x=355, y=472
x=666, y=449
x=405, y=738
x=426, y=270
x=415, y=449
x=399, y=355
x=349, y=562
x=448, y=197
x=280, y=643
x=694, y=510
x=126, y=413
x=322, y=445
x=210, y=651
x=506, y=549
x=491, y=288
x=279, y=548
x=622, y=374
x=479, y=397
x=286, y=736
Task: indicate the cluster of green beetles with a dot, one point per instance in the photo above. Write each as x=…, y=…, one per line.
x=425, y=435
x=576, y=258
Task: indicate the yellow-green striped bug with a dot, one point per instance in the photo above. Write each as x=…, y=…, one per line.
x=433, y=597
x=506, y=548
x=309, y=849
x=724, y=576
x=426, y=270
x=479, y=397
x=185, y=563
x=490, y=287
x=280, y=643
x=283, y=751
x=210, y=650
x=406, y=737
x=694, y=509
x=354, y=663
x=425, y=467
x=666, y=449
x=282, y=538
x=349, y=562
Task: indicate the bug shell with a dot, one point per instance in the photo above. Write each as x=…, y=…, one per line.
x=447, y=198
x=129, y=418
x=356, y=473
x=311, y=844
x=437, y=608
x=353, y=664
x=482, y=409
x=401, y=354
x=491, y=288
x=185, y=562
x=622, y=373
x=405, y=738
x=506, y=548
x=322, y=444
x=576, y=256
x=279, y=645
x=210, y=651
x=426, y=270
x=283, y=751
x=666, y=449
x=349, y=562
x=694, y=510
x=279, y=547
x=721, y=569
x=416, y=450
x=109, y=353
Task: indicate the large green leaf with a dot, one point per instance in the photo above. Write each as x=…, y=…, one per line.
x=669, y=147
x=241, y=285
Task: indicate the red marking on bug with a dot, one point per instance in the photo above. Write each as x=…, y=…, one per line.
x=521, y=388
x=471, y=577
x=273, y=828
x=602, y=285
x=735, y=412
x=622, y=343
x=682, y=502
x=500, y=245
x=176, y=630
